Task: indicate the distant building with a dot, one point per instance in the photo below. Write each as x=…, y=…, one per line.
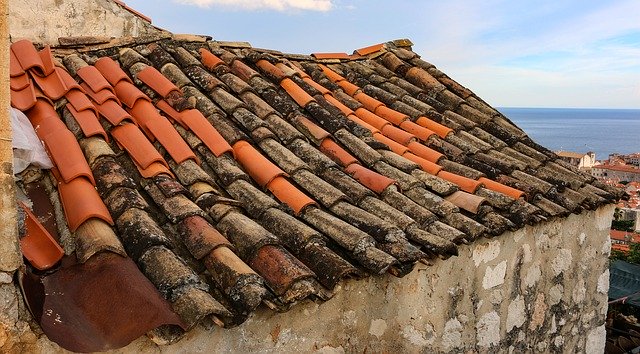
x=581, y=161
x=622, y=240
x=621, y=173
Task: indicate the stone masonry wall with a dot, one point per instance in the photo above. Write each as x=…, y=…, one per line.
x=543, y=288
x=44, y=21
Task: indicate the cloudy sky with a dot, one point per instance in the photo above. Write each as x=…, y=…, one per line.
x=560, y=53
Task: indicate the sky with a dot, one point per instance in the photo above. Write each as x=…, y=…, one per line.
x=573, y=53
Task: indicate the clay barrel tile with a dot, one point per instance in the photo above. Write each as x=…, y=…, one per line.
x=394, y=146
x=15, y=69
x=323, y=90
x=113, y=112
x=200, y=126
x=128, y=94
x=28, y=57
x=499, y=187
x=67, y=155
x=52, y=85
x=99, y=97
x=170, y=139
x=419, y=131
x=156, y=81
x=88, y=122
x=111, y=71
x=23, y=99
x=348, y=87
x=200, y=237
x=466, y=201
x=37, y=245
x=299, y=95
x=371, y=118
x=154, y=169
x=334, y=151
x=47, y=60
x=466, y=184
x=288, y=194
x=425, y=164
x=270, y=70
x=257, y=166
x=144, y=112
x=335, y=55
x=438, y=128
x=315, y=131
x=368, y=178
x=424, y=152
x=370, y=49
x=346, y=110
x=79, y=100
x=68, y=81
x=368, y=102
x=360, y=122
x=209, y=60
x=131, y=139
x=243, y=71
x=17, y=83
x=169, y=111
x=93, y=78
x=332, y=75
x=398, y=135
x=391, y=115
x=81, y=202
x=279, y=268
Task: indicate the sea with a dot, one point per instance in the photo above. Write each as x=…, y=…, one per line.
x=603, y=131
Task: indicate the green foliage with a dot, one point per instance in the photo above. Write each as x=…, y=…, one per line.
x=622, y=225
x=633, y=256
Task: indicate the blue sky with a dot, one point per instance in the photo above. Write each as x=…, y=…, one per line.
x=511, y=53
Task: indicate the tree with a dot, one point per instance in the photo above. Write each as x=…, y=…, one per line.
x=634, y=253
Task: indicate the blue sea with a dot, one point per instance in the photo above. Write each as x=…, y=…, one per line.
x=603, y=131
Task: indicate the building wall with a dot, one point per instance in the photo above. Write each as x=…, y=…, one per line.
x=541, y=288
x=45, y=21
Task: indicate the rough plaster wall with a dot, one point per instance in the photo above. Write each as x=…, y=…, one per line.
x=543, y=288
x=46, y=20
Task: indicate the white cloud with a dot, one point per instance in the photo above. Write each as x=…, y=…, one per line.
x=279, y=5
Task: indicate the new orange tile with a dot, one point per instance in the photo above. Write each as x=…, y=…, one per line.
x=426, y=165
x=348, y=87
x=499, y=187
x=209, y=136
x=466, y=184
x=332, y=75
x=391, y=115
x=131, y=139
x=52, y=85
x=28, y=57
x=438, y=128
x=14, y=66
x=169, y=111
x=270, y=69
x=331, y=55
x=209, y=60
x=23, y=99
x=66, y=155
x=44, y=118
x=313, y=129
x=323, y=90
x=424, y=152
x=156, y=81
x=81, y=202
x=111, y=71
x=419, y=131
x=93, y=78
x=370, y=179
x=337, y=153
x=288, y=194
x=128, y=94
x=394, y=146
x=299, y=70
x=363, y=124
x=398, y=135
x=19, y=82
x=79, y=100
x=69, y=82
x=38, y=246
x=257, y=166
x=370, y=49
x=113, y=112
x=299, y=95
x=153, y=170
x=142, y=113
x=88, y=122
x=371, y=118
x=466, y=201
x=329, y=97
x=169, y=138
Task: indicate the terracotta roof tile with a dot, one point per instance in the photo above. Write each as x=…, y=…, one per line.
x=130, y=138
x=290, y=195
x=370, y=49
x=257, y=166
x=299, y=95
x=38, y=246
x=331, y=55
x=330, y=148
x=81, y=202
x=154, y=79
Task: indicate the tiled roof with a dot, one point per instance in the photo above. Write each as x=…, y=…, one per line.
x=621, y=168
x=571, y=154
x=274, y=176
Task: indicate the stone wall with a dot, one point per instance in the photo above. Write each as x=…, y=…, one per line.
x=44, y=21
x=542, y=288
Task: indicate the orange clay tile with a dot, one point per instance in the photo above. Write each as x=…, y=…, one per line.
x=68, y=80
x=44, y=118
x=242, y=70
x=370, y=179
x=420, y=132
x=363, y=124
x=300, y=72
x=288, y=194
x=88, y=122
x=99, y=97
x=23, y=99
x=391, y=115
x=28, y=56
x=167, y=135
x=337, y=153
x=14, y=66
x=154, y=79
x=332, y=75
x=209, y=60
x=46, y=55
x=93, y=78
x=299, y=95
x=38, y=246
x=257, y=166
x=427, y=166
x=52, y=85
x=348, y=87
x=142, y=113
x=79, y=100
x=398, y=135
x=323, y=90
x=368, y=102
x=371, y=118
x=466, y=184
x=19, y=82
x=466, y=201
x=131, y=139
x=128, y=94
x=81, y=202
x=316, y=131
x=370, y=49
x=499, y=187
x=424, y=152
x=153, y=170
x=438, y=128
x=329, y=97
x=331, y=55
x=111, y=71
x=113, y=112
x=169, y=111
x=394, y=146
x=209, y=136
x=270, y=69
x=67, y=155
